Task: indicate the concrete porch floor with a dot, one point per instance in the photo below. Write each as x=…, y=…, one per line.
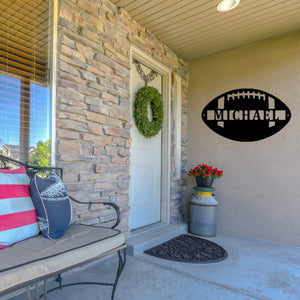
x=254, y=270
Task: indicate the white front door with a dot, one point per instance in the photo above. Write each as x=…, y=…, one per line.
x=145, y=182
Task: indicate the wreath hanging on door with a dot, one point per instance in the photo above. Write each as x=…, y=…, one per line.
x=146, y=96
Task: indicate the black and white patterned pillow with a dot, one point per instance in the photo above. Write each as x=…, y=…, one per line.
x=52, y=204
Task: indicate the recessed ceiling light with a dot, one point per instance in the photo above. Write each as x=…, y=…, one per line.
x=227, y=5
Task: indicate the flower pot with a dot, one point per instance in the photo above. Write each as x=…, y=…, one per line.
x=205, y=182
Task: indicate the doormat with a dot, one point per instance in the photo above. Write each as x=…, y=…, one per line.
x=189, y=249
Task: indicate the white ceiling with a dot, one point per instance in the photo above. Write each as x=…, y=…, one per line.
x=194, y=28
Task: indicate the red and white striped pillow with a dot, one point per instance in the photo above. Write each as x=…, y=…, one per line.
x=17, y=214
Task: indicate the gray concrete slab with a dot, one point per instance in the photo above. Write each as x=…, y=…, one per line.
x=155, y=235
x=254, y=270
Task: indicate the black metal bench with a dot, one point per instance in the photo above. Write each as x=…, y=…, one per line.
x=38, y=258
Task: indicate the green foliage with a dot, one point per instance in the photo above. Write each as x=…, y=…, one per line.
x=41, y=156
x=144, y=97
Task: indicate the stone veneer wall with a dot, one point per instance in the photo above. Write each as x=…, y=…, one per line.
x=94, y=108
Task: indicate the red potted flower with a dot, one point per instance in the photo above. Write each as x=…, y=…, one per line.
x=205, y=174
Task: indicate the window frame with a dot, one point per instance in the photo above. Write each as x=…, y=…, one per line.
x=53, y=76
x=50, y=33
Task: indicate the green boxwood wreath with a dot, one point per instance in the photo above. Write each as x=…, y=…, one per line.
x=145, y=96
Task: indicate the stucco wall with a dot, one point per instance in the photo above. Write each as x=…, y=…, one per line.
x=94, y=105
x=259, y=194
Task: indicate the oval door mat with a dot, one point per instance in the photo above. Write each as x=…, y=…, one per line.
x=191, y=249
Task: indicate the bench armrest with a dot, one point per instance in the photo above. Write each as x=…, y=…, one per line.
x=113, y=205
x=32, y=170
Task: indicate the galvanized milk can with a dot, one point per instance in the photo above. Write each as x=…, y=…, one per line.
x=203, y=212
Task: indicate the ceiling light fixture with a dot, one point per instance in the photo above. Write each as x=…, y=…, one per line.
x=227, y=5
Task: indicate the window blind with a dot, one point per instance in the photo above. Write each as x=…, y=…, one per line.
x=25, y=98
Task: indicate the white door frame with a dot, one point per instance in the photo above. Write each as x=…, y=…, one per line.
x=165, y=73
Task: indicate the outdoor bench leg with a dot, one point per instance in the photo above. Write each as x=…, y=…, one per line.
x=45, y=289
x=36, y=287
x=28, y=293
x=37, y=295
x=122, y=261
x=121, y=264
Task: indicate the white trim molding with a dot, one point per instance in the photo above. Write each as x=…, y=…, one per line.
x=165, y=72
x=177, y=98
x=54, y=78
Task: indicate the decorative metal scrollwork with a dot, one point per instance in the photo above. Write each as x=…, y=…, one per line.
x=147, y=78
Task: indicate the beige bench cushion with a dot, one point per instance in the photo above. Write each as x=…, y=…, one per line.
x=39, y=257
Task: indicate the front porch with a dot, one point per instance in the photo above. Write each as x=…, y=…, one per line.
x=90, y=132
x=254, y=269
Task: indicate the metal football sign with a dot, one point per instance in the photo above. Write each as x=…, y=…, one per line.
x=246, y=115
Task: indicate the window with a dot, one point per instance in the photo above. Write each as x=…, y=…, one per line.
x=25, y=83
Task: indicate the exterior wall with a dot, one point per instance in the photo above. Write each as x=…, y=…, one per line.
x=93, y=103
x=259, y=193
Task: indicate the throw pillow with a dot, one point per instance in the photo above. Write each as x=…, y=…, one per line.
x=17, y=214
x=52, y=204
